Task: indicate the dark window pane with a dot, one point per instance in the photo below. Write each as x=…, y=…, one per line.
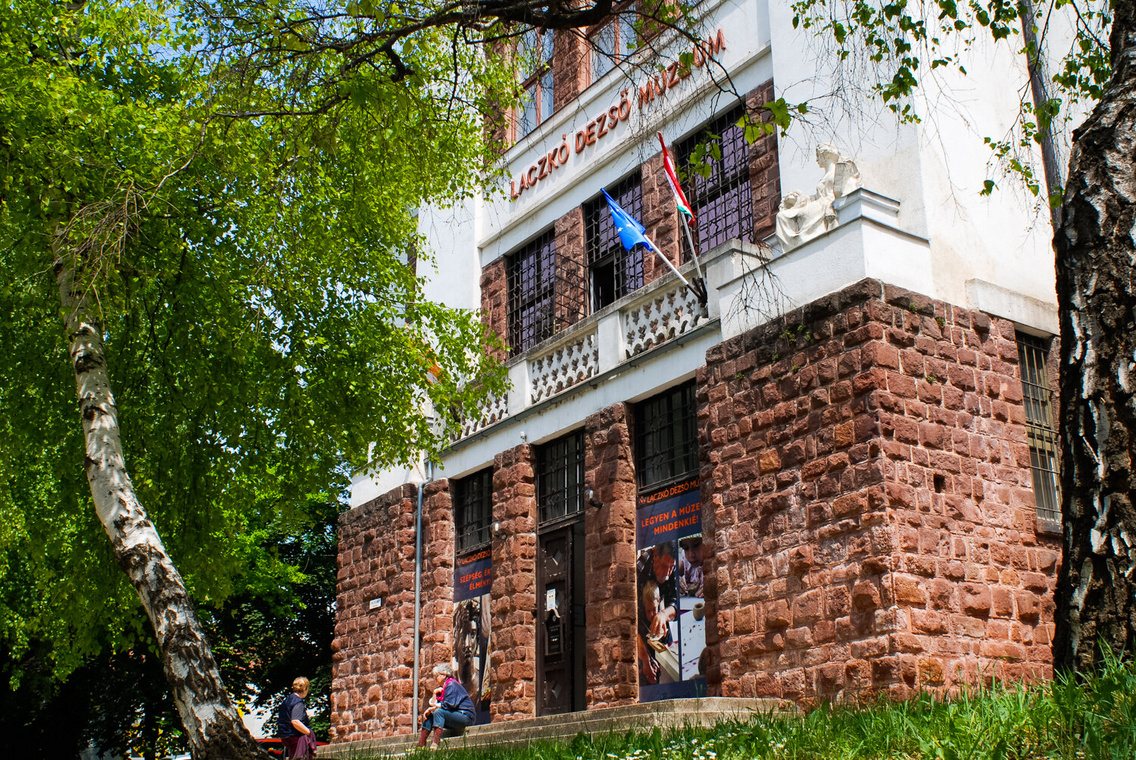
x=534, y=56
x=531, y=274
x=603, y=51
x=546, y=93
x=1041, y=432
x=714, y=167
x=473, y=510
x=615, y=272
x=560, y=477
x=666, y=437
x=543, y=298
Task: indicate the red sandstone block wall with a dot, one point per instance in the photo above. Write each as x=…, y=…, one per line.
x=494, y=300
x=610, y=659
x=765, y=176
x=571, y=67
x=513, y=643
x=571, y=289
x=867, y=510
x=372, y=654
x=866, y=467
x=660, y=219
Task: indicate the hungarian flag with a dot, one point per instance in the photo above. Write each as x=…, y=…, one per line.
x=680, y=197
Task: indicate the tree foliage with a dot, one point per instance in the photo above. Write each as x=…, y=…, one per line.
x=251, y=276
x=222, y=195
x=240, y=180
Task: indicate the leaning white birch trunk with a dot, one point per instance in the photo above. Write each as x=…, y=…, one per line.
x=212, y=725
x=1096, y=261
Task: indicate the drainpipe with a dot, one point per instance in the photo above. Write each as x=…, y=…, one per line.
x=418, y=592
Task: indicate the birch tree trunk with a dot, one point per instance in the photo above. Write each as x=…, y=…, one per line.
x=212, y=724
x=1096, y=256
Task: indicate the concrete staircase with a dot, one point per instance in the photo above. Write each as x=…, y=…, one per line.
x=671, y=713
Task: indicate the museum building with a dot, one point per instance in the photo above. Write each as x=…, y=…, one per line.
x=814, y=462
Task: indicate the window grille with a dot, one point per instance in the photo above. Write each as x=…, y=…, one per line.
x=614, y=271
x=544, y=296
x=713, y=165
x=1040, y=429
x=473, y=510
x=560, y=477
x=534, y=53
x=612, y=43
x=532, y=292
x=666, y=437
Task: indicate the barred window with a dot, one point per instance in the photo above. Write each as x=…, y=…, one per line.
x=666, y=437
x=614, y=271
x=473, y=510
x=534, y=53
x=714, y=165
x=612, y=43
x=1040, y=429
x=531, y=280
x=544, y=295
x=560, y=477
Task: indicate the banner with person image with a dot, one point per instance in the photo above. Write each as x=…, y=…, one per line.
x=670, y=589
x=473, y=577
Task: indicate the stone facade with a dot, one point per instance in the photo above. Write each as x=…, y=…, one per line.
x=765, y=176
x=514, y=586
x=866, y=464
x=373, y=654
x=495, y=300
x=571, y=292
x=660, y=217
x=660, y=220
x=571, y=67
x=610, y=561
x=868, y=521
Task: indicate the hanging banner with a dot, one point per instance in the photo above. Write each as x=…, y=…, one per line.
x=473, y=577
x=672, y=621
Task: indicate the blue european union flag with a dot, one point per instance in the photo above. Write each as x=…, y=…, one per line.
x=631, y=233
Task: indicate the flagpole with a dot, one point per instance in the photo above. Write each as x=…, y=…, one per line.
x=632, y=233
x=694, y=255
x=674, y=269
x=685, y=211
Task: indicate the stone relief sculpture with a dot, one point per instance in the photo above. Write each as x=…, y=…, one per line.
x=803, y=217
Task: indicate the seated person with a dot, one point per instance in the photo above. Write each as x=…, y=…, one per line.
x=451, y=709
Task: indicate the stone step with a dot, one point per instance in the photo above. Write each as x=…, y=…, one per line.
x=672, y=713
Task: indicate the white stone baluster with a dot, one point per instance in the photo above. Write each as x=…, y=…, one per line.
x=564, y=366
x=666, y=315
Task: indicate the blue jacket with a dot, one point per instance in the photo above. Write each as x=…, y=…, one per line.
x=456, y=699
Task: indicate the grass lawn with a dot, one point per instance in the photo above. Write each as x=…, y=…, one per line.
x=1089, y=717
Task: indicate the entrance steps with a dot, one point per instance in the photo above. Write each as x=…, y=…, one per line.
x=671, y=713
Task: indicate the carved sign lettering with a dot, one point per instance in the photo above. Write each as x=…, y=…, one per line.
x=604, y=124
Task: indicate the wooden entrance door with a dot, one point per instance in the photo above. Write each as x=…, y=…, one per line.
x=560, y=619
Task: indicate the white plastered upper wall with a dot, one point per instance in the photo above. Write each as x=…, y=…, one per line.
x=936, y=169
